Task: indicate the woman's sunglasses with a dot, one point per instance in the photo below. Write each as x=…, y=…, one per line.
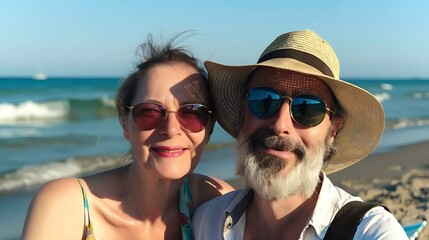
x=192, y=117
x=305, y=110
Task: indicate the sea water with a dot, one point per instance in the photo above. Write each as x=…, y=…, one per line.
x=63, y=127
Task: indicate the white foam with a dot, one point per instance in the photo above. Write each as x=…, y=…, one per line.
x=382, y=96
x=407, y=123
x=420, y=95
x=386, y=86
x=18, y=132
x=32, y=110
x=31, y=176
x=109, y=102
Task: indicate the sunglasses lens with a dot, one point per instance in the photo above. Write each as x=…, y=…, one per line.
x=308, y=110
x=148, y=116
x=193, y=117
x=263, y=102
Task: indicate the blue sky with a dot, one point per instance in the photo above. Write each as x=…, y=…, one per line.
x=380, y=39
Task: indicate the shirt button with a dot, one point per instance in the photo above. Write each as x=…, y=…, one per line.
x=228, y=222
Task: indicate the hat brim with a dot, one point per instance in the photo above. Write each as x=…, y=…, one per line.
x=362, y=113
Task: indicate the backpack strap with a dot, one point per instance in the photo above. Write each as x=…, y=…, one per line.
x=347, y=219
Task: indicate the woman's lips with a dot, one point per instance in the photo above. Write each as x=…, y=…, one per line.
x=169, y=151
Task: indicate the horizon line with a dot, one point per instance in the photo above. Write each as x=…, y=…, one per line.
x=118, y=76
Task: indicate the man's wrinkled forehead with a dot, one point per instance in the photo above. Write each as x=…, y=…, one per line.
x=290, y=83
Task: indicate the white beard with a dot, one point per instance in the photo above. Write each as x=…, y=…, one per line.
x=271, y=184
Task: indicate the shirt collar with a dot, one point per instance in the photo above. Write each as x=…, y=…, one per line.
x=328, y=204
x=237, y=207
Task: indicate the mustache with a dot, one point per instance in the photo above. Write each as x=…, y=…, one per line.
x=266, y=137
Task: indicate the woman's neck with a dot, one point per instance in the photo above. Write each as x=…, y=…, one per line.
x=148, y=195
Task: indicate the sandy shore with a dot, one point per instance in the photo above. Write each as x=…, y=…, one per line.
x=397, y=179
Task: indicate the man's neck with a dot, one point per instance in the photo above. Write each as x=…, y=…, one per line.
x=275, y=218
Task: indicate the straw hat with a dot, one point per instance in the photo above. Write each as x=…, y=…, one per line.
x=307, y=53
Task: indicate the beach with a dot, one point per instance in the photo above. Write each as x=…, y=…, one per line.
x=398, y=179
x=68, y=127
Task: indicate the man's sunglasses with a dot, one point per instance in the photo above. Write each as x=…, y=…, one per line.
x=305, y=110
x=192, y=117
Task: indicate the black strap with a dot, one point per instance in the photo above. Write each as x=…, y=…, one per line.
x=347, y=219
x=304, y=57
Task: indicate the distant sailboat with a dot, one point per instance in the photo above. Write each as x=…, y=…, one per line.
x=40, y=76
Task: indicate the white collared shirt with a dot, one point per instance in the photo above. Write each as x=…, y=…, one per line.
x=225, y=217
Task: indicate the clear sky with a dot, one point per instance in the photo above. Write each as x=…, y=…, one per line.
x=100, y=37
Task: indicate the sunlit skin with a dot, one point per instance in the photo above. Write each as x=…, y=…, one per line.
x=282, y=123
x=285, y=217
x=139, y=200
x=168, y=151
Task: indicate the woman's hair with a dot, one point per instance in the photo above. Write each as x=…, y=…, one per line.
x=152, y=55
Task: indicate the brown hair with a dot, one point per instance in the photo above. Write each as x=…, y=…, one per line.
x=152, y=55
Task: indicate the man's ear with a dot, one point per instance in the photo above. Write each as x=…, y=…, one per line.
x=337, y=124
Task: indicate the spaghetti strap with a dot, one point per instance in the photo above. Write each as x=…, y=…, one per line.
x=88, y=229
x=185, y=204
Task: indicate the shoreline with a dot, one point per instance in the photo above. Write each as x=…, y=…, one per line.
x=392, y=164
x=398, y=179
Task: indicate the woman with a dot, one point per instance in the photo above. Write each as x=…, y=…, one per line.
x=164, y=112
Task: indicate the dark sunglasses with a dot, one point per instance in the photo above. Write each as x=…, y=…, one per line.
x=192, y=117
x=305, y=110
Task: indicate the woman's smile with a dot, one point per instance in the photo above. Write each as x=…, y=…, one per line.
x=165, y=151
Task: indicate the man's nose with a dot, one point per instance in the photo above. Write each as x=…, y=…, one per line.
x=283, y=122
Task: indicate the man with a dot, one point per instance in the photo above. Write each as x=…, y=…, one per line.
x=295, y=121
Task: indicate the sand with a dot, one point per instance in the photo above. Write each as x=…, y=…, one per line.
x=397, y=179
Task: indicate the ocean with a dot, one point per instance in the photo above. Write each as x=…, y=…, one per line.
x=63, y=127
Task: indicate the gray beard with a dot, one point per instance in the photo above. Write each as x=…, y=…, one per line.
x=262, y=172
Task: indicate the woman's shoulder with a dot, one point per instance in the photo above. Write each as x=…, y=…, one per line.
x=204, y=188
x=55, y=208
x=57, y=192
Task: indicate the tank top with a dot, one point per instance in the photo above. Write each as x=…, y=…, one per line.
x=185, y=203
